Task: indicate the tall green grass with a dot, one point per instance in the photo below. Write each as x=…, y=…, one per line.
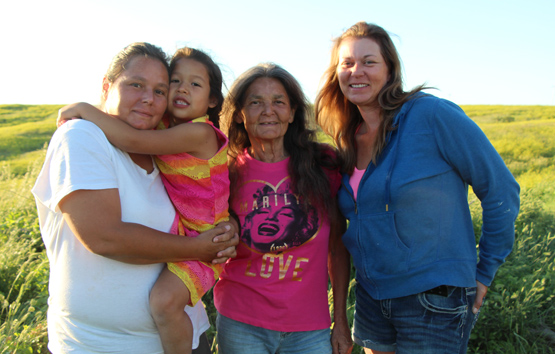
x=23, y=267
x=519, y=314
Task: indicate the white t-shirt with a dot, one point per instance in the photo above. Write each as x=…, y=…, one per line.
x=99, y=305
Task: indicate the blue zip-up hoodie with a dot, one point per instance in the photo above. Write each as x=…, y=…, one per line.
x=410, y=229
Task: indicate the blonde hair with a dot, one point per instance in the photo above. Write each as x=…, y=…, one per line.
x=339, y=117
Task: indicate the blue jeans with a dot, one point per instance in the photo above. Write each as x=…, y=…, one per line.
x=421, y=323
x=240, y=338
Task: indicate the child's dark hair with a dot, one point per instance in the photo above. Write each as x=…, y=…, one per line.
x=214, y=75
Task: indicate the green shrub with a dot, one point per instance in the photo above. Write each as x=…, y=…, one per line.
x=519, y=313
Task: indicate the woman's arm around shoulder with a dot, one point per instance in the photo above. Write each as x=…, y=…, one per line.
x=197, y=139
x=94, y=216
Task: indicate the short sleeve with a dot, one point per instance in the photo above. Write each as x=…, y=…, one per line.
x=79, y=157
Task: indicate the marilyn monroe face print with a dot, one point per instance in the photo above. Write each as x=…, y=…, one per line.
x=278, y=221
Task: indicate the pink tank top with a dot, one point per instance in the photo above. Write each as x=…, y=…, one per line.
x=354, y=181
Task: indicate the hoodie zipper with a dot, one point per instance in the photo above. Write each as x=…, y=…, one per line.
x=406, y=107
x=352, y=196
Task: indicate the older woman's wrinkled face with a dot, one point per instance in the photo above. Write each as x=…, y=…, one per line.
x=267, y=111
x=139, y=96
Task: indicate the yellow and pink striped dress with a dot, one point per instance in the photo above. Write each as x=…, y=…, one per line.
x=199, y=190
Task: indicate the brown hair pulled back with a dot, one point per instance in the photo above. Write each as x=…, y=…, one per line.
x=120, y=61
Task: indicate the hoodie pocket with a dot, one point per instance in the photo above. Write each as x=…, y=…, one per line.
x=383, y=251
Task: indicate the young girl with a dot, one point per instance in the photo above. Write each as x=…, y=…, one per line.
x=193, y=161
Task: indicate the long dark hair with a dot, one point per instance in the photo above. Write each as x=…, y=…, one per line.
x=308, y=159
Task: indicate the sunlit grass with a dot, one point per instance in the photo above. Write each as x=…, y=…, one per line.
x=23, y=266
x=519, y=315
x=484, y=114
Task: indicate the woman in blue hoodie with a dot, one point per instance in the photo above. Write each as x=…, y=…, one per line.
x=409, y=159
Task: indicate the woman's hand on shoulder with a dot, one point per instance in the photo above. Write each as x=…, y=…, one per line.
x=69, y=112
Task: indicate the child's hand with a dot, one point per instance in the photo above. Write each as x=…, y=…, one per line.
x=69, y=112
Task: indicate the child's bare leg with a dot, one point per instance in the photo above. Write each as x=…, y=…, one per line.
x=167, y=303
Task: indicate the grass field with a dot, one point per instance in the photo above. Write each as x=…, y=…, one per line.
x=519, y=316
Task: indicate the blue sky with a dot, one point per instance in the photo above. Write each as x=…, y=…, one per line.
x=473, y=52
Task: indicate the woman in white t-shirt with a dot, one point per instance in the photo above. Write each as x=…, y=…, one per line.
x=105, y=217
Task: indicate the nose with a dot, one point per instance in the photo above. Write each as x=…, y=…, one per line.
x=356, y=69
x=267, y=109
x=148, y=96
x=182, y=88
x=273, y=216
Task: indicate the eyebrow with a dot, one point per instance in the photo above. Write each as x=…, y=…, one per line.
x=199, y=77
x=273, y=96
x=194, y=76
x=365, y=56
x=142, y=79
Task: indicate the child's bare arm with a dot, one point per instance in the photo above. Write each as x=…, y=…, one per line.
x=196, y=139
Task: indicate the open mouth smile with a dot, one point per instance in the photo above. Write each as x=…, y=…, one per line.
x=178, y=101
x=267, y=229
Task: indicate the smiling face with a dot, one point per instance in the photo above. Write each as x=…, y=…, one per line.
x=189, y=96
x=272, y=224
x=362, y=71
x=266, y=111
x=139, y=95
x=278, y=222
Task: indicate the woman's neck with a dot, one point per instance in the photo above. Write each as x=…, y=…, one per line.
x=143, y=161
x=270, y=152
x=366, y=136
x=372, y=116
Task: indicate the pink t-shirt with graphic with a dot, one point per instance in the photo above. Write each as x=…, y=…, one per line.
x=279, y=279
